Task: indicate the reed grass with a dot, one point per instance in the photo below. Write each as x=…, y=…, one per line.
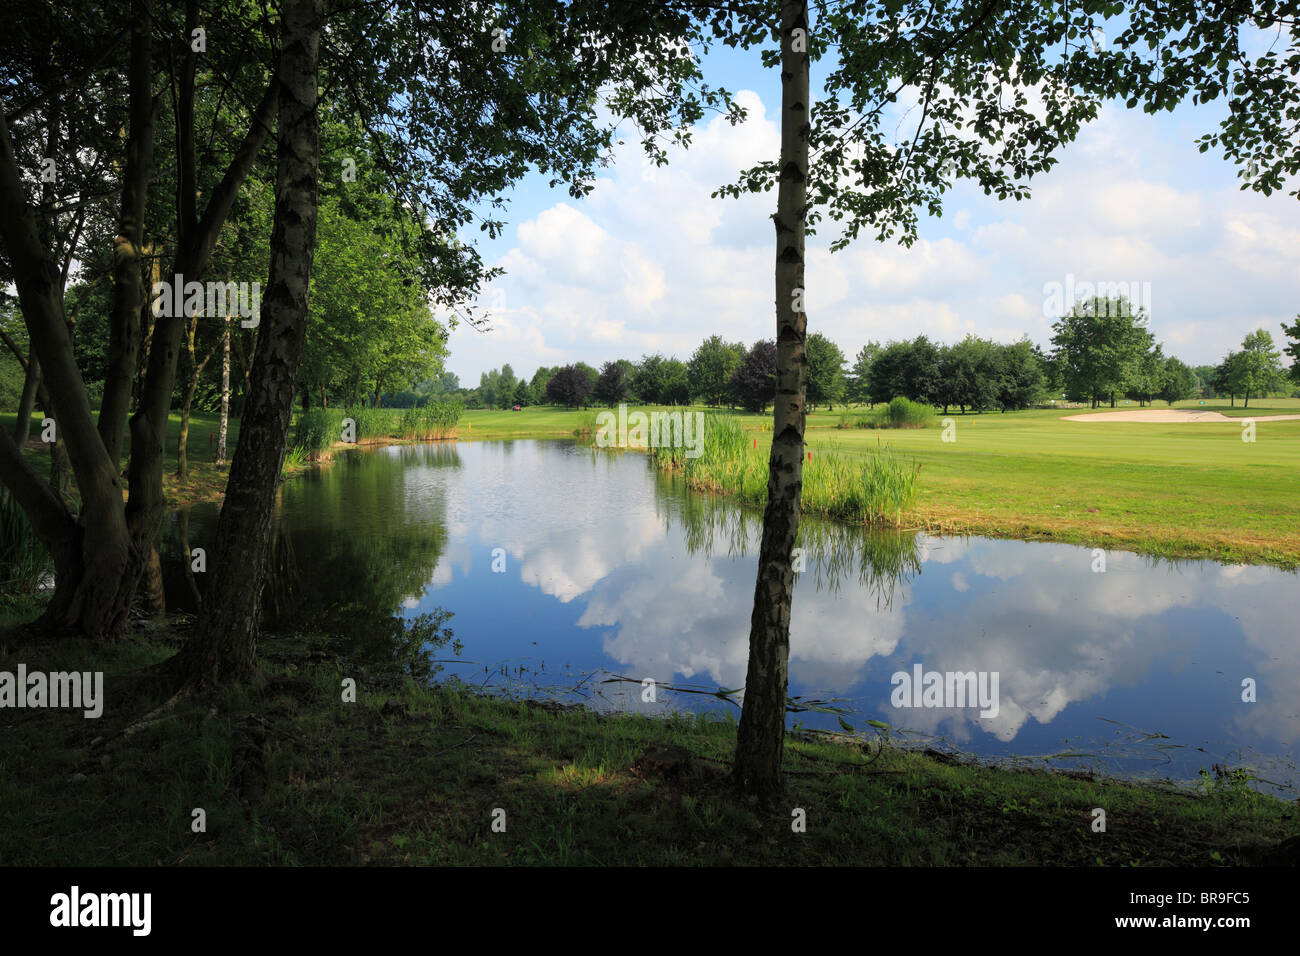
x=587, y=424
x=370, y=423
x=294, y=458
x=318, y=429
x=430, y=422
x=24, y=560
x=877, y=489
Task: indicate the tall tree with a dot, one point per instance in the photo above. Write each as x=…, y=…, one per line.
x=859, y=377
x=652, y=379
x=1228, y=376
x=1021, y=380
x=825, y=384
x=225, y=642
x=1261, y=365
x=1146, y=375
x=760, y=738
x=1292, y=348
x=711, y=367
x=1098, y=347
x=612, y=386
x=539, y=382
x=753, y=383
x=1178, y=382
x=570, y=386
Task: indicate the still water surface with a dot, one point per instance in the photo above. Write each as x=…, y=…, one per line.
x=562, y=568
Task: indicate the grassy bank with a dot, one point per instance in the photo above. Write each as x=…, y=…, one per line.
x=206, y=480
x=1175, y=490
x=287, y=773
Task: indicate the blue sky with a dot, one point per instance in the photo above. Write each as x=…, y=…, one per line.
x=650, y=263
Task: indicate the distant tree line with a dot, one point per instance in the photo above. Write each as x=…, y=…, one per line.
x=1099, y=352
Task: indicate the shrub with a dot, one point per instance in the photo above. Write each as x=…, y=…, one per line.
x=905, y=413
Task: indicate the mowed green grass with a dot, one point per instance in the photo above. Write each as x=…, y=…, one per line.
x=538, y=421
x=1177, y=490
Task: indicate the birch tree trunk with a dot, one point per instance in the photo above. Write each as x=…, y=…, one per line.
x=225, y=393
x=225, y=643
x=760, y=741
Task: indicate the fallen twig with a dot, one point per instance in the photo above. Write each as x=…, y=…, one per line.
x=454, y=746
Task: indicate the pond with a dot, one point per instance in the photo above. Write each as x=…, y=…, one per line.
x=561, y=570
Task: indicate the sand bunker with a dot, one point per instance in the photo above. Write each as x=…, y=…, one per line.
x=1168, y=416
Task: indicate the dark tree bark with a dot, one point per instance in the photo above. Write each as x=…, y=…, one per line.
x=760, y=741
x=49, y=518
x=94, y=600
x=128, y=247
x=27, y=401
x=224, y=645
x=146, y=505
x=60, y=464
x=183, y=533
x=151, y=253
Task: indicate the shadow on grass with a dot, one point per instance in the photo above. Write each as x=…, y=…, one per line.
x=286, y=772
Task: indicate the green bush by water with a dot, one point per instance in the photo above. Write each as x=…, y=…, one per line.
x=899, y=413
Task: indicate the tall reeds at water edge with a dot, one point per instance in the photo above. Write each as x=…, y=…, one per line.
x=431, y=422
x=24, y=561
x=317, y=429
x=587, y=425
x=875, y=489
